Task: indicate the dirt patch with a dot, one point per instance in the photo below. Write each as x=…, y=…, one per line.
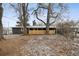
x=10, y=45
x=32, y=45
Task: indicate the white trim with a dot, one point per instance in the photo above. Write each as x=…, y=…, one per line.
x=35, y=27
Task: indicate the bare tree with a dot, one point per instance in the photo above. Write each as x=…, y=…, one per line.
x=50, y=14
x=22, y=10
x=1, y=26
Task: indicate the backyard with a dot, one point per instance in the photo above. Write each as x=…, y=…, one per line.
x=41, y=45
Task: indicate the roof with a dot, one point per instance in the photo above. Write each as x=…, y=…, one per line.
x=35, y=27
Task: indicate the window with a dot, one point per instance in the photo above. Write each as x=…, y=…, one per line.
x=52, y=28
x=31, y=28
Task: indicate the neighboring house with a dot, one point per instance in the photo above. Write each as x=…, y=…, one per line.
x=7, y=30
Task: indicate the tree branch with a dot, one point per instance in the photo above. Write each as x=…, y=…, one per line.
x=39, y=18
x=54, y=16
x=14, y=7
x=36, y=14
x=54, y=20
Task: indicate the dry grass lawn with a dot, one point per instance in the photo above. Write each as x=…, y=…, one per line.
x=32, y=45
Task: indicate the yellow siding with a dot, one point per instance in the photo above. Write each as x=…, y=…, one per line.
x=41, y=31
x=36, y=31
x=51, y=31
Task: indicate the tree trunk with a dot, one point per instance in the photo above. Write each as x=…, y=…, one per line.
x=1, y=27
x=48, y=18
x=47, y=25
x=25, y=18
